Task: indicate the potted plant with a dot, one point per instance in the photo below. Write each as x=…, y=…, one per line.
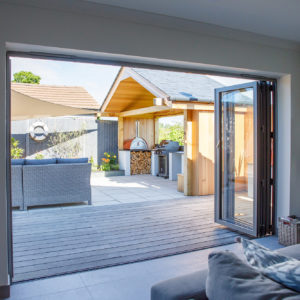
x=109, y=166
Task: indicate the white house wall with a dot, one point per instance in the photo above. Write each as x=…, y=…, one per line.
x=195, y=45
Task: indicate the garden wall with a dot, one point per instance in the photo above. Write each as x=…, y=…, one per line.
x=87, y=137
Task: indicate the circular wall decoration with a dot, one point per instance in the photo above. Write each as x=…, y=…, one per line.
x=38, y=131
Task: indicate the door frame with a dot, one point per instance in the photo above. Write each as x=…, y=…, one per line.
x=100, y=61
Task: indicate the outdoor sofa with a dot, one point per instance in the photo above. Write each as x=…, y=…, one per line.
x=193, y=286
x=17, y=186
x=50, y=181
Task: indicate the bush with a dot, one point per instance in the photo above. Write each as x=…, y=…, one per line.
x=105, y=167
x=39, y=156
x=16, y=152
x=172, y=132
x=109, y=162
x=114, y=167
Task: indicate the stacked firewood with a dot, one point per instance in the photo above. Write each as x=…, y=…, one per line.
x=140, y=162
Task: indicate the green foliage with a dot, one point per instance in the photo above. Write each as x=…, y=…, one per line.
x=16, y=152
x=115, y=167
x=95, y=167
x=39, y=156
x=66, y=144
x=26, y=77
x=172, y=132
x=105, y=167
x=109, y=162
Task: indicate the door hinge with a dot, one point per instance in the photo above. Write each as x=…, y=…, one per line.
x=272, y=135
x=271, y=181
x=271, y=88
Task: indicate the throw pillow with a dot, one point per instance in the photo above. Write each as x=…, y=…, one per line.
x=286, y=273
x=230, y=278
x=259, y=256
x=283, y=269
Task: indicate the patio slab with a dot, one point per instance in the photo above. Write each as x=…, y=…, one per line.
x=129, y=189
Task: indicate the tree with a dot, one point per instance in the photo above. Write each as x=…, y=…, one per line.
x=26, y=77
x=172, y=132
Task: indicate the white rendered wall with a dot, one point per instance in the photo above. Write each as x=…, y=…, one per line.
x=124, y=161
x=167, y=42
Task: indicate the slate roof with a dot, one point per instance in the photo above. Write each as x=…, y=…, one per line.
x=181, y=86
x=73, y=96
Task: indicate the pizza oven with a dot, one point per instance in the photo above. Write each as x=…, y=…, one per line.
x=136, y=143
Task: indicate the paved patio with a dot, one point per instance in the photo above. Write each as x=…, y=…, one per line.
x=132, y=189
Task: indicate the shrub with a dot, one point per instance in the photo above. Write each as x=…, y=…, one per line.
x=172, y=132
x=109, y=162
x=114, y=167
x=16, y=152
x=39, y=156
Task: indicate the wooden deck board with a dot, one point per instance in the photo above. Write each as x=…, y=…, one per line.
x=54, y=242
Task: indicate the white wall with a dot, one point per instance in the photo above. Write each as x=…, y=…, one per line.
x=167, y=42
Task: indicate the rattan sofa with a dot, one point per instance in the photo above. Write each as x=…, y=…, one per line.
x=17, y=186
x=48, y=184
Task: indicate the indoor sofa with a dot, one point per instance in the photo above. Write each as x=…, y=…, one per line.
x=192, y=286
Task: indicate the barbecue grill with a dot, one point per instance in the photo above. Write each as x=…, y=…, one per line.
x=163, y=150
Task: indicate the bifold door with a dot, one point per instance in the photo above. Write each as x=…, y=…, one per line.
x=243, y=157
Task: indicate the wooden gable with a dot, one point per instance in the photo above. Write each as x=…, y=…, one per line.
x=129, y=95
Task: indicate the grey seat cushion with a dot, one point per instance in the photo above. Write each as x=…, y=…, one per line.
x=191, y=286
x=230, y=278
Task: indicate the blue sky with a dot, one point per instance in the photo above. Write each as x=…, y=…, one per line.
x=96, y=79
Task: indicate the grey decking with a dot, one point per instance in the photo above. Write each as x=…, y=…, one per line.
x=53, y=242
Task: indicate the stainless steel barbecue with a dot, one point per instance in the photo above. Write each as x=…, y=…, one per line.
x=163, y=150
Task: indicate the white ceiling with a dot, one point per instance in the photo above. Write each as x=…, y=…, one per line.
x=275, y=18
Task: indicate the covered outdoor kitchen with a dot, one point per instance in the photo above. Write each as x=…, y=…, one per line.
x=140, y=97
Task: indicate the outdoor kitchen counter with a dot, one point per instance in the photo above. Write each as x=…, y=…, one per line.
x=175, y=164
x=124, y=161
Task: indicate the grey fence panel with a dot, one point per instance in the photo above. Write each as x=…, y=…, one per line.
x=107, y=138
x=100, y=136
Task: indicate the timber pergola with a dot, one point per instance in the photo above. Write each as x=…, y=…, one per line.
x=147, y=95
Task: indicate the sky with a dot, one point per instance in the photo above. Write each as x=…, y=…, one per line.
x=96, y=79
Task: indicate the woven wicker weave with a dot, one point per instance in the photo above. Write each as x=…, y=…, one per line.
x=56, y=184
x=17, y=186
x=288, y=231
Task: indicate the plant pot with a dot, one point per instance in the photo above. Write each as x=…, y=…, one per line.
x=111, y=173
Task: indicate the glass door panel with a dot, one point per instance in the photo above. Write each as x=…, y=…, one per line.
x=237, y=147
x=243, y=159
